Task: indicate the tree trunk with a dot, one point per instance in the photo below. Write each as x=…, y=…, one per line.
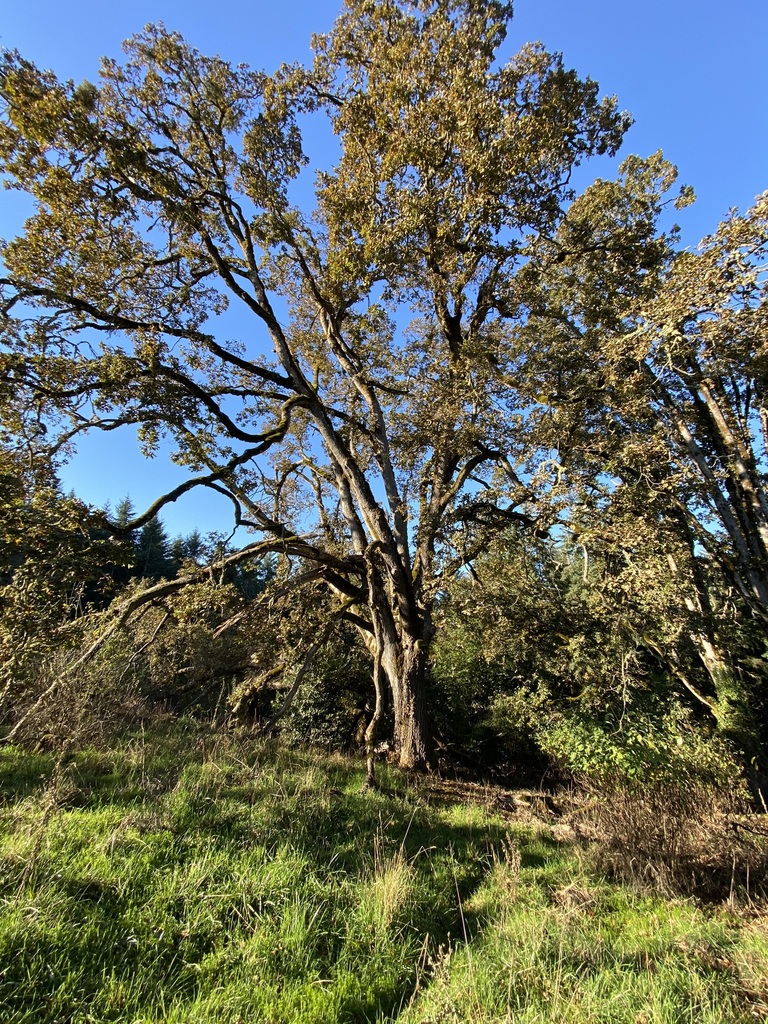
x=405, y=664
x=410, y=710
x=400, y=643
x=372, y=731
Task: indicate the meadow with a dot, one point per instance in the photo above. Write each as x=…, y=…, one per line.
x=187, y=877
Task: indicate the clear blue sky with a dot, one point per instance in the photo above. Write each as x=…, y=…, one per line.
x=692, y=73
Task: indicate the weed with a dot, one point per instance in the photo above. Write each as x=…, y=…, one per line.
x=680, y=839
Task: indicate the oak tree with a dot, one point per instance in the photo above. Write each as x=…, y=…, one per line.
x=368, y=420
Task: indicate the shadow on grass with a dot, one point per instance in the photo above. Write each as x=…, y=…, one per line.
x=23, y=773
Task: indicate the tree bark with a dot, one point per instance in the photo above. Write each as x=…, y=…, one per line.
x=406, y=668
x=373, y=726
x=400, y=643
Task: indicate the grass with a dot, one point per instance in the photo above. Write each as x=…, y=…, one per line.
x=184, y=877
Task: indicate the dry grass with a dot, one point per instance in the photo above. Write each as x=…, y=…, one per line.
x=687, y=839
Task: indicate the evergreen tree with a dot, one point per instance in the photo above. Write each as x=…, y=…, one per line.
x=153, y=552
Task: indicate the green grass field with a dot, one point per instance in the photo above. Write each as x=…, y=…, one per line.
x=189, y=878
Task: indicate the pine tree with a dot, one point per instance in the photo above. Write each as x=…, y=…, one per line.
x=153, y=554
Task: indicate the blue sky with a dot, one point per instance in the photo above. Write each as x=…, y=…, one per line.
x=692, y=73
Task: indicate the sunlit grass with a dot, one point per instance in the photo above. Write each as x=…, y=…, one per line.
x=186, y=877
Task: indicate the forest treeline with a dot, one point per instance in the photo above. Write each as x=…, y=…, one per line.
x=498, y=445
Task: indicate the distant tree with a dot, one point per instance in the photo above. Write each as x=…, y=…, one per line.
x=177, y=552
x=252, y=578
x=121, y=571
x=153, y=552
x=124, y=512
x=194, y=547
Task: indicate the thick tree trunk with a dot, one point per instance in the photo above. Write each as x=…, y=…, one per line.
x=410, y=709
x=405, y=664
x=400, y=643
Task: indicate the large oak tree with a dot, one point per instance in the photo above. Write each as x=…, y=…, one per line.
x=369, y=418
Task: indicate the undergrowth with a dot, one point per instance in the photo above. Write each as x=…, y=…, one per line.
x=186, y=877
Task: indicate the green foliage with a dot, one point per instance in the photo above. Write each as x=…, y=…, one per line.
x=54, y=560
x=187, y=658
x=638, y=749
x=335, y=701
x=553, y=654
x=502, y=631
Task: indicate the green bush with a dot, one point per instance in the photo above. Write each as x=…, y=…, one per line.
x=640, y=747
x=334, y=703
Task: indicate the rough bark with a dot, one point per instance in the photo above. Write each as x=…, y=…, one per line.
x=406, y=667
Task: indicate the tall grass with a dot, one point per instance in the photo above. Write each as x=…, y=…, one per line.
x=184, y=877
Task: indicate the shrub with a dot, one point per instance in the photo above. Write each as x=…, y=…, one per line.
x=680, y=837
x=641, y=745
x=334, y=703
x=64, y=705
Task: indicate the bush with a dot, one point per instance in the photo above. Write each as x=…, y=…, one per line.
x=335, y=701
x=64, y=705
x=682, y=837
x=643, y=745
